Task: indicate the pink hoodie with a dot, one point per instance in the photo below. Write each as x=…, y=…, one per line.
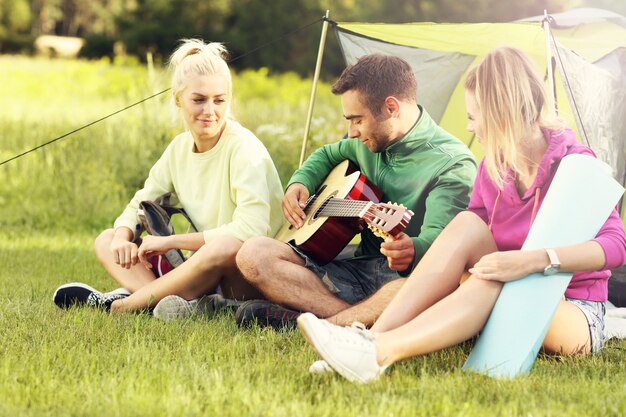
x=509, y=216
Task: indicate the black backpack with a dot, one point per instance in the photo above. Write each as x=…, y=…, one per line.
x=155, y=218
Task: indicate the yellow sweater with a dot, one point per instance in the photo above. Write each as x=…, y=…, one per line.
x=232, y=189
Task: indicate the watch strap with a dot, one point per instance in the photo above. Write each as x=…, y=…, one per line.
x=555, y=264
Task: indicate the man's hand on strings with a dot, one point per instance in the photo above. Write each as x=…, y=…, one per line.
x=293, y=203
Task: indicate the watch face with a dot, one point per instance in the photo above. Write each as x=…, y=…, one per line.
x=551, y=270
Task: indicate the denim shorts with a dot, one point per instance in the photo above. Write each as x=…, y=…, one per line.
x=594, y=312
x=352, y=280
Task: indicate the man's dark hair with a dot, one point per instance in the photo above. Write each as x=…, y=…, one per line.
x=377, y=77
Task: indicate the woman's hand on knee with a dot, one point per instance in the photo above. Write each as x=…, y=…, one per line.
x=125, y=253
x=505, y=266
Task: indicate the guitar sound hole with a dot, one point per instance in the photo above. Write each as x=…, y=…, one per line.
x=318, y=212
x=313, y=198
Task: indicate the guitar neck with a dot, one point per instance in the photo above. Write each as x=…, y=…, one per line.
x=341, y=207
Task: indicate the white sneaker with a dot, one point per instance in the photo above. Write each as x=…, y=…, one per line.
x=174, y=307
x=320, y=367
x=348, y=350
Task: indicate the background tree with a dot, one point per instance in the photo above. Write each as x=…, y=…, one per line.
x=244, y=25
x=15, y=21
x=156, y=25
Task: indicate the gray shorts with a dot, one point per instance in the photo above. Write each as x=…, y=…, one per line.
x=594, y=312
x=352, y=280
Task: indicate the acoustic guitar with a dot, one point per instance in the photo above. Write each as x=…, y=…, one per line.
x=338, y=210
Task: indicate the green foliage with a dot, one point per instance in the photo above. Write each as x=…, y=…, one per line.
x=83, y=362
x=157, y=25
x=272, y=34
x=275, y=108
x=254, y=23
x=15, y=15
x=97, y=45
x=84, y=180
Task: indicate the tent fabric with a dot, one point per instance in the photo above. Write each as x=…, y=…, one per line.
x=591, y=62
x=472, y=40
x=580, y=16
x=600, y=99
x=434, y=94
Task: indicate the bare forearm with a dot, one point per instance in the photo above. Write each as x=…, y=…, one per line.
x=186, y=241
x=587, y=256
x=123, y=233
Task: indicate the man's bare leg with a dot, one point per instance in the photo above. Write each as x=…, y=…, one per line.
x=368, y=310
x=279, y=273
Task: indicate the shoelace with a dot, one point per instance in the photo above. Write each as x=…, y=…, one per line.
x=359, y=329
x=99, y=300
x=95, y=299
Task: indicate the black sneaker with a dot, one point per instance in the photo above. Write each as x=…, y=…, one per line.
x=76, y=293
x=266, y=314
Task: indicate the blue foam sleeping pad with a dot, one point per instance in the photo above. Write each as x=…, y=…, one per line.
x=579, y=200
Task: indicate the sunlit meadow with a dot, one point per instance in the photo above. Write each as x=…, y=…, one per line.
x=88, y=363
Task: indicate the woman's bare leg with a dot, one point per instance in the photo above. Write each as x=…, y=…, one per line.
x=459, y=246
x=463, y=314
x=133, y=278
x=450, y=321
x=212, y=264
x=568, y=333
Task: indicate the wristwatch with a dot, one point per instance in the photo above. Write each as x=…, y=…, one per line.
x=555, y=264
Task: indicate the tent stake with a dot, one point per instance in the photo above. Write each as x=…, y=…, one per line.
x=551, y=104
x=316, y=77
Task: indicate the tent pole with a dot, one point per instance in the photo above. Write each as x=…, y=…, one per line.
x=551, y=99
x=316, y=77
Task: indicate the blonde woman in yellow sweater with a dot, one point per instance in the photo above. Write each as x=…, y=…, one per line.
x=223, y=177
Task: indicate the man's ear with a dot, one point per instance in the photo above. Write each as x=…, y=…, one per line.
x=392, y=106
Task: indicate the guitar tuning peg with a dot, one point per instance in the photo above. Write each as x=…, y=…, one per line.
x=378, y=232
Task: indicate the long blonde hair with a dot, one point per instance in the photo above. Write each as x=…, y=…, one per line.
x=193, y=56
x=511, y=98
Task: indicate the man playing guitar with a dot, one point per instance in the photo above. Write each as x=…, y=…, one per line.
x=406, y=155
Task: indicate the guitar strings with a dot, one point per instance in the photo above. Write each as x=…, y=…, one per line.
x=338, y=207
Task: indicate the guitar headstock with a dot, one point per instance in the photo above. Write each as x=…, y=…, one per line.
x=387, y=219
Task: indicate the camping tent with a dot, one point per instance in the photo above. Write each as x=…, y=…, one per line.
x=589, y=49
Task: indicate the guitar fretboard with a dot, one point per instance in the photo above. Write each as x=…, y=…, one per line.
x=340, y=207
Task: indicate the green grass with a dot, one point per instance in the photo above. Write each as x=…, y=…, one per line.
x=83, y=362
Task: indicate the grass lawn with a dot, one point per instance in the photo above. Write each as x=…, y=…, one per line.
x=83, y=362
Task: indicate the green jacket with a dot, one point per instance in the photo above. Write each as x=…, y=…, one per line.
x=428, y=171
